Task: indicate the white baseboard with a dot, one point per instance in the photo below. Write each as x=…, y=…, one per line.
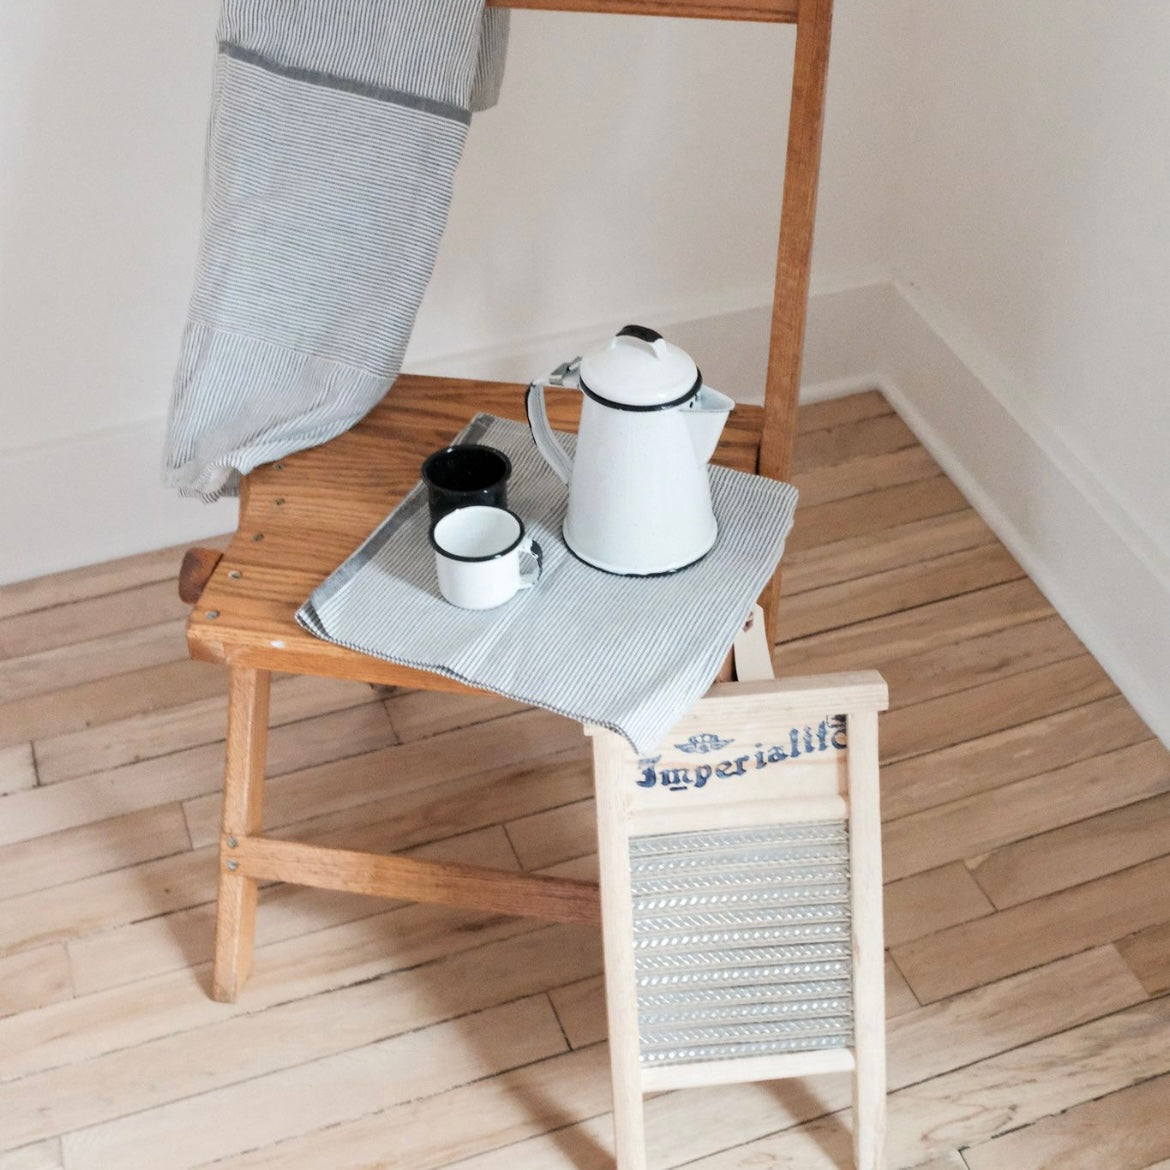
x=97, y=496
x=100, y=496
x=1104, y=573
x=729, y=338
x=93, y=498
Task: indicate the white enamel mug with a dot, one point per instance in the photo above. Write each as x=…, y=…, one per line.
x=477, y=556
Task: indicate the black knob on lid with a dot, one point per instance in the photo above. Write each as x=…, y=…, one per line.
x=641, y=333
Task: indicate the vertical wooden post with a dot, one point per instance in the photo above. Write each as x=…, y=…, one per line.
x=794, y=257
x=617, y=925
x=243, y=797
x=869, y=1009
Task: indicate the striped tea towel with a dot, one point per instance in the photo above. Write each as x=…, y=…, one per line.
x=336, y=128
x=631, y=654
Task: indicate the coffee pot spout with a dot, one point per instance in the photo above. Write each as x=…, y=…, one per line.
x=706, y=415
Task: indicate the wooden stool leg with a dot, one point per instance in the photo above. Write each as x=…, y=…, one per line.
x=243, y=796
x=620, y=973
x=869, y=977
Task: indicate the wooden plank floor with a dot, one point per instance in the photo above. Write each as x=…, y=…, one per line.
x=1027, y=856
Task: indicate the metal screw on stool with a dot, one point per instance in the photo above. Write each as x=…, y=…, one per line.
x=258, y=536
x=211, y=614
x=235, y=574
x=232, y=842
x=233, y=865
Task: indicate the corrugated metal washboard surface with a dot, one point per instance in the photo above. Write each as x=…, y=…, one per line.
x=742, y=941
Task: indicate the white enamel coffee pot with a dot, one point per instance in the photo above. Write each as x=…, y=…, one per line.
x=639, y=493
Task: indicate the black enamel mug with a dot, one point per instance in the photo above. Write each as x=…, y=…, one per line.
x=465, y=474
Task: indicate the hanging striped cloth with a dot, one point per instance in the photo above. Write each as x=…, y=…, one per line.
x=336, y=127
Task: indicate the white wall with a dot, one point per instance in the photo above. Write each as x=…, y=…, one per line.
x=559, y=228
x=1035, y=207
x=1029, y=336
x=634, y=166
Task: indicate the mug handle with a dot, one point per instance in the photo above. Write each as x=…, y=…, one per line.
x=527, y=580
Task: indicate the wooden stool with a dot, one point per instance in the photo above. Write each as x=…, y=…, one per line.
x=741, y=897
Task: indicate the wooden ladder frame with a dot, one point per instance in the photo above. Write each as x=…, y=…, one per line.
x=806, y=118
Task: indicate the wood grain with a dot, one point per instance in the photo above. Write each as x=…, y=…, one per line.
x=185, y=937
x=243, y=814
x=415, y=880
x=869, y=993
x=82, y=621
x=930, y=901
x=321, y=797
x=110, y=577
x=821, y=524
x=794, y=253
x=1036, y=932
x=871, y=473
x=991, y=659
x=984, y=1099
x=978, y=824
x=162, y=732
x=186, y=775
x=960, y=713
x=82, y=662
x=957, y=1044
x=842, y=448
x=925, y=627
x=108, y=698
x=896, y=590
x=488, y=1114
x=421, y=714
x=1135, y=1120
x=876, y=552
x=54, y=859
x=114, y=941
x=33, y=979
x=171, y=1067
x=231, y=1118
x=1148, y=954
x=1023, y=870
x=989, y=761
x=195, y=571
x=17, y=768
x=760, y=10
x=41, y=1156
x=832, y=412
x=176, y=1003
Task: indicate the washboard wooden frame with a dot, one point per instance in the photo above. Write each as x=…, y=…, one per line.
x=688, y=840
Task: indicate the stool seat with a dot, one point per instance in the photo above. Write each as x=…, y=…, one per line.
x=301, y=517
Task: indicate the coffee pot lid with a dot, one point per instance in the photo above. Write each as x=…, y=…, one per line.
x=638, y=369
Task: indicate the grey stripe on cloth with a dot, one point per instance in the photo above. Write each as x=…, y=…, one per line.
x=332, y=81
x=335, y=132
x=630, y=654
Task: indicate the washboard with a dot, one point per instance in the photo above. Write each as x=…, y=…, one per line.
x=741, y=896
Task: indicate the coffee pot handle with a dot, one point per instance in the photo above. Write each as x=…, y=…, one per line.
x=542, y=435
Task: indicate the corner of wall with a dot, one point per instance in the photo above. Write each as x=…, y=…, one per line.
x=1107, y=580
